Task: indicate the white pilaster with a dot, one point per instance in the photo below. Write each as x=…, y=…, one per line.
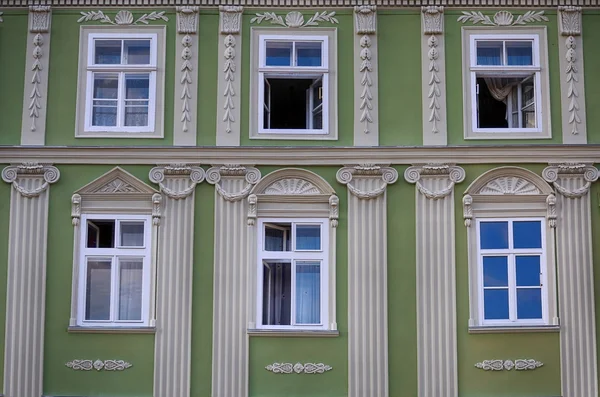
x=572, y=84
x=231, y=272
x=185, y=104
x=367, y=278
x=35, y=93
x=575, y=277
x=433, y=76
x=172, y=359
x=436, y=279
x=26, y=278
x=366, y=112
x=229, y=80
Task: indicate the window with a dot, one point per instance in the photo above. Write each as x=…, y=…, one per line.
x=506, y=85
x=292, y=273
x=122, y=93
x=512, y=263
x=294, y=86
x=115, y=270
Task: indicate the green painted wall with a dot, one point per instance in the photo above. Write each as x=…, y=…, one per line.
x=5, y=191
x=61, y=346
x=62, y=85
x=454, y=85
x=345, y=76
x=591, y=65
x=13, y=48
x=208, y=75
x=473, y=348
x=399, y=62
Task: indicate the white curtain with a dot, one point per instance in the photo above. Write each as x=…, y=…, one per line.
x=308, y=293
x=130, y=289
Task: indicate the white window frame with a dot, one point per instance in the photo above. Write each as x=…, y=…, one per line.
x=510, y=253
x=292, y=256
x=87, y=68
x=328, y=69
x=114, y=254
x=539, y=70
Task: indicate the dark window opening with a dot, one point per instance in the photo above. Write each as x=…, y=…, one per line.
x=293, y=104
x=100, y=233
x=277, y=292
x=492, y=113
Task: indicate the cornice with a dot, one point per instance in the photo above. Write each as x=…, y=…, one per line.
x=304, y=156
x=303, y=3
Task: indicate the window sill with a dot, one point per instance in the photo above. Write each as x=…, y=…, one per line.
x=111, y=330
x=506, y=135
x=307, y=136
x=122, y=134
x=294, y=333
x=503, y=329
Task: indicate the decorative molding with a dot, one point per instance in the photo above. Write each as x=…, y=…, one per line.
x=229, y=73
x=291, y=186
x=587, y=172
x=75, y=209
x=502, y=18
x=11, y=173
x=98, y=365
x=35, y=96
x=250, y=174
x=433, y=19
x=454, y=173
x=295, y=19
x=252, y=209
x=524, y=364
x=346, y=174
x=230, y=20
x=186, y=80
x=467, y=209
x=571, y=79
x=40, y=19
x=122, y=17
x=116, y=182
x=510, y=185
x=365, y=19
x=184, y=131
x=434, y=75
x=434, y=92
x=366, y=96
x=187, y=19
x=298, y=368
x=196, y=175
x=334, y=210
x=569, y=20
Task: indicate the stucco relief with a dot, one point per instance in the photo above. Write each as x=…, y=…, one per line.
x=586, y=172
x=502, y=18
x=49, y=173
x=508, y=365
x=387, y=175
x=251, y=176
x=122, y=17
x=195, y=174
x=230, y=19
x=365, y=18
x=569, y=22
x=298, y=368
x=295, y=19
x=98, y=365
x=454, y=173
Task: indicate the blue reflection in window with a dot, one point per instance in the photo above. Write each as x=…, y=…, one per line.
x=279, y=54
x=494, y=235
x=527, y=234
x=529, y=303
x=495, y=304
x=495, y=271
x=308, y=237
x=519, y=53
x=528, y=271
x=309, y=57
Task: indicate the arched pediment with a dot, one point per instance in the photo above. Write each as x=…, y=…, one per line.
x=292, y=181
x=509, y=181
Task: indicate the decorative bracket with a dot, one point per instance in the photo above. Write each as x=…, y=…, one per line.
x=156, y=208
x=454, y=173
x=195, y=173
x=387, y=174
x=250, y=174
x=75, y=209
x=48, y=172
x=587, y=172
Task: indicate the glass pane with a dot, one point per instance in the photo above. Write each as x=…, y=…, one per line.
x=308, y=293
x=529, y=303
x=277, y=237
x=108, y=52
x=137, y=86
x=137, y=52
x=308, y=53
x=136, y=116
x=132, y=234
x=130, y=289
x=489, y=53
x=495, y=271
x=495, y=304
x=317, y=93
x=101, y=233
x=277, y=291
x=528, y=270
x=318, y=120
x=519, y=52
x=528, y=102
x=278, y=53
x=493, y=235
x=97, y=291
x=527, y=234
x=308, y=237
x=106, y=86
x=104, y=116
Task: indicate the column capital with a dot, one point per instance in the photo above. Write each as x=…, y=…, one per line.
x=388, y=176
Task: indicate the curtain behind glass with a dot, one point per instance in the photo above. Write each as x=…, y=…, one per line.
x=308, y=293
x=130, y=289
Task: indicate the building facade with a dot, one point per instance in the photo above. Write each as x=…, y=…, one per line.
x=263, y=198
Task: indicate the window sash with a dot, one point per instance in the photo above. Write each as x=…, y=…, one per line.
x=262, y=51
x=534, y=38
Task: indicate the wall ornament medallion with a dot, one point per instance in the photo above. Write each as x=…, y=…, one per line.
x=298, y=368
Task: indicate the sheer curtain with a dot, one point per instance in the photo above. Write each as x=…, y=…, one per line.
x=130, y=290
x=308, y=293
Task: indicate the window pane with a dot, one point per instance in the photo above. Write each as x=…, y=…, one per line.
x=277, y=238
x=527, y=234
x=289, y=102
x=308, y=293
x=519, y=52
x=137, y=52
x=489, y=53
x=108, y=52
x=136, y=116
x=106, y=86
x=528, y=102
x=495, y=271
x=278, y=53
x=529, y=303
x=104, y=116
x=137, y=86
x=493, y=235
x=97, y=291
x=277, y=290
x=528, y=270
x=495, y=304
x=308, y=53
x=130, y=289
x=101, y=233
x=132, y=234
x=308, y=237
